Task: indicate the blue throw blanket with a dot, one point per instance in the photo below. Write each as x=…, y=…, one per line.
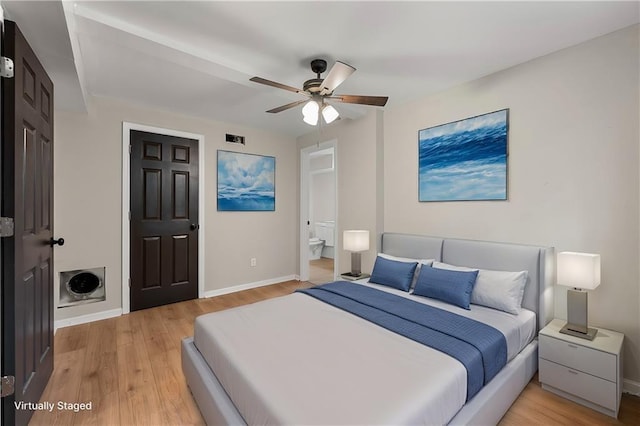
x=479, y=347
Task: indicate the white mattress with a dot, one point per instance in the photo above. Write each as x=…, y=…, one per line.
x=297, y=360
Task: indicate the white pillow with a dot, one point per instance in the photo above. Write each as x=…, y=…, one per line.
x=421, y=262
x=427, y=262
x=500, y=290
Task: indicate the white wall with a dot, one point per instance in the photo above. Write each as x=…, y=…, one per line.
x=574, y=178
x=87, y=201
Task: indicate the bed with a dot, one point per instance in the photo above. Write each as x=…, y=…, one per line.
x=300, y=360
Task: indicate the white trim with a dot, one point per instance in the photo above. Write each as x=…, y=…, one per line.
x=631, y=387
x=248, y=286
x=83, y=319
x=304, y=214
x=78, y=62
x=305, y=154
x=126, y=182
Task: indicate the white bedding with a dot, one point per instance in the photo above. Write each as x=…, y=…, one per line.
x=297, y=360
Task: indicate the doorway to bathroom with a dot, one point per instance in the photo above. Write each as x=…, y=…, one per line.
x=318, y=195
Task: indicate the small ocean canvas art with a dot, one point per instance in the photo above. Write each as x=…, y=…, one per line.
x=246, y=182
x=465, y=160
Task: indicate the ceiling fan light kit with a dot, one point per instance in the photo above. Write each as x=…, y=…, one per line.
x=329, y=113
x=310, y=113
x=319, y=89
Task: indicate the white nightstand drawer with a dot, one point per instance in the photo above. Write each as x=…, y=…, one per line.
x=586, y=386
x=587, y=360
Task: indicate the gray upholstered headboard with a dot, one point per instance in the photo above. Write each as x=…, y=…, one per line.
x=538, y=261
x=414, y=246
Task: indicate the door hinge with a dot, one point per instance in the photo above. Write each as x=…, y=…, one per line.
x=8, y=386
x=6, y=227
x=6, y=67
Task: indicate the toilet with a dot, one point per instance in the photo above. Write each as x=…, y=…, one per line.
x=321, y=241
x=315, y=248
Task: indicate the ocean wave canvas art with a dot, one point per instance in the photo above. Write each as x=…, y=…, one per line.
x=246, y=182
x=465, y=160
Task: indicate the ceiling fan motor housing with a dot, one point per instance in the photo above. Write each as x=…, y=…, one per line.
x=312, y=86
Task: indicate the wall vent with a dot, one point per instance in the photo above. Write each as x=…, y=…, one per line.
x=82, y=286
x=235, y=139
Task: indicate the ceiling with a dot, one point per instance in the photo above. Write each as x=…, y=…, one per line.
x=196, y=58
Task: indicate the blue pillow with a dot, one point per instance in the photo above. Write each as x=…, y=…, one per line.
x=453, y=287
x=392, y=273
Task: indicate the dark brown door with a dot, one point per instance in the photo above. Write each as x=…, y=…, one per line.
x=27, y=257
x=164, y=219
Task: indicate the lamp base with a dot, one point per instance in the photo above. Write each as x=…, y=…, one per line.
x=590, y=334
x=355, y=264
x=577, y=316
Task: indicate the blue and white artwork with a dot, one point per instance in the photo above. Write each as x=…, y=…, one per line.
x=246, y=182
x=465, y=160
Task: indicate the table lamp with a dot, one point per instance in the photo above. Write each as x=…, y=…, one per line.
x=355, y=241
x=581, y=271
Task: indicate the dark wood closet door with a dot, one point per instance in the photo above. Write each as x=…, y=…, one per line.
x=164, y=215
x=27, y=257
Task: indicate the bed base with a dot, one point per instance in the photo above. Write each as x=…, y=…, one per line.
x=487, y=407
x=215, y=405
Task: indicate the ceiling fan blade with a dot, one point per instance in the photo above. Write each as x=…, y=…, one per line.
x=287, y=106
x=337, y=74
x=275, y=84
x=363, y=100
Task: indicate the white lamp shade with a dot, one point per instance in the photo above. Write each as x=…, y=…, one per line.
x=579, y=270
x=355, y=241
x=329, y=113
x=310, y=112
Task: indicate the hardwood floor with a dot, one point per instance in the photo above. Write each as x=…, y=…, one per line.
x=321, y=270
x=129, y=368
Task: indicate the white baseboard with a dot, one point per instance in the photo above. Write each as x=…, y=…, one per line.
x=248, y=286
x=631, y=386
x=83, y=319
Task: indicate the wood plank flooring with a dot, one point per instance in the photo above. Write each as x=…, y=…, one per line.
x=321, y=270
x=129, y=368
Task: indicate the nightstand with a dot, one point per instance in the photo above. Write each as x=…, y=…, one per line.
x=347, y=276
x=586, y=372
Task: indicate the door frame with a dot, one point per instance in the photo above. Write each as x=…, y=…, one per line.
x=305, y=180
x=127, y=127
x=2, y=283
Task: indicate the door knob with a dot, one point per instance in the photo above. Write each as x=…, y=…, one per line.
x=194, y=226
x=59, y=241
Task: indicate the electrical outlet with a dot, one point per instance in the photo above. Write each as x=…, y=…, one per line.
x=254, y=262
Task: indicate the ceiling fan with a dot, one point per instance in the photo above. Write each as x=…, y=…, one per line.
x=317, y=90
